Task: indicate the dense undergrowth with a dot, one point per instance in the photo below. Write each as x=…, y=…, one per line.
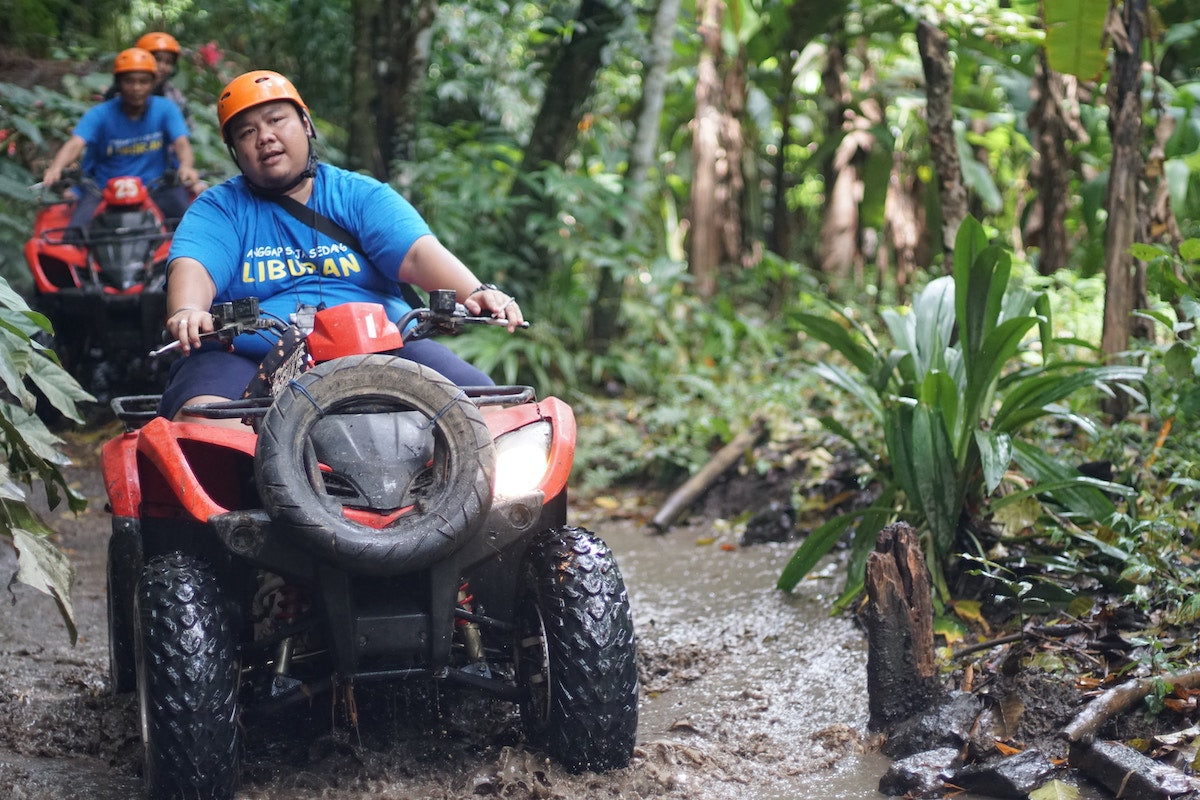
x=684, y=376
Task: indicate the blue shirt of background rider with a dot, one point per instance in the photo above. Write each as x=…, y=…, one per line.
x=252, y=247
x=118, y=145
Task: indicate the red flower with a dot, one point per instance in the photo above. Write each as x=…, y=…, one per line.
x=210, y=54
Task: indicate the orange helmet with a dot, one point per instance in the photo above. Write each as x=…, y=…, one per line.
x=253, y=89
x=135, y=59
x=158, y=41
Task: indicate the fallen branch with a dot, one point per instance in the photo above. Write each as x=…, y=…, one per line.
x=1040, y=632
x=726, y=457
x=1119, y=698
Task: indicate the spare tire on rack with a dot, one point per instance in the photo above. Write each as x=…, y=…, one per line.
x=456, y=487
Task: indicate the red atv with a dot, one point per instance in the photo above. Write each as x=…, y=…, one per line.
x=102, y=286
x=373, y=522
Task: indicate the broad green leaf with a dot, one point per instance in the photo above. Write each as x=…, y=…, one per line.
x=1190, y=249
x=969, y=241
x=59, y=388
x=837, y=337
x=1028, y=399
x=21, y=426
x=45, y=568
x=1178, y=361
x=995, y=454
x=941, y=395
x=1148, y=252
x=814, y=547
x=1017, y=515
x=842, y=379
x=11, y=377
x=10, y=299
x=936, y=477
x=1075, y=36
x=1065, y=484
x=897, y=437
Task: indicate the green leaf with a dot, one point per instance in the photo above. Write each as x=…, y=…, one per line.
x=45, y=568
x=995, y=454
x=1178, y=361
x=837, y=337
x=1075, y=36
x=1148, y=252
x=936, y=478
x=1055, y=791
x=59, y=388
x=815, y=546
x=1189, y=249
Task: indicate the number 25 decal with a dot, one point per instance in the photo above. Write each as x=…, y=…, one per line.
x=125, y=189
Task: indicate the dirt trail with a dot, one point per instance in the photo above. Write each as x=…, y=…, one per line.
x=747, y=693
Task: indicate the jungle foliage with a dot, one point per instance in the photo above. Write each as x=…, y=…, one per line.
x=835, y=207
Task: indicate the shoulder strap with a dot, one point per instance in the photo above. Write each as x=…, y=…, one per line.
x=313, y=219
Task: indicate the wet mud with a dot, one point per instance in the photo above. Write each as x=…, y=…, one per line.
x=746, y=692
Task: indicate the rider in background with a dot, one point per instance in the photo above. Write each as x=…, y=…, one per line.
x=133, y=134
x=166, y=52
x=264, y=251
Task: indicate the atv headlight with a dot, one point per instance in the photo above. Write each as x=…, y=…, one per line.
x=521, y=459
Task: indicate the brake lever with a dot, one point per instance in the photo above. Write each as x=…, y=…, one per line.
x=226, y=333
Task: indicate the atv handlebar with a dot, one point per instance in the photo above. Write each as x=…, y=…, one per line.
x=443, y=317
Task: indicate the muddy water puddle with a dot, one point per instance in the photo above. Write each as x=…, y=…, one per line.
x=747, y=693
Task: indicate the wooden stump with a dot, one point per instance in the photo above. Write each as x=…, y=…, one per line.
x=901, y=668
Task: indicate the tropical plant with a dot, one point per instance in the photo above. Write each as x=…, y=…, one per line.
x=29, y=452
x=950, y=396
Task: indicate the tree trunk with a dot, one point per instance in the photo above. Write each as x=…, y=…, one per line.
x=569, y=86
x=1122, y=202
x=1051, y=174
x=704, y=237
x=568, y=89
x=391, y=54
x=605, y=321
x=780, y=240
x=904, y=226
x=934, y=47
x=902, y=674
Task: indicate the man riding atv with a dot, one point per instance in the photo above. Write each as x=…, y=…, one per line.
x=297, y=232
x=379, y=521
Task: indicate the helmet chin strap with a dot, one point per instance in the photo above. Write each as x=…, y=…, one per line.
x=309, y=171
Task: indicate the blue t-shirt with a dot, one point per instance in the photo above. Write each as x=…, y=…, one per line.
x=252, y=247
x=118, y=145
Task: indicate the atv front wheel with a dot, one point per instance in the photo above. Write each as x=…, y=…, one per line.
x=447, y=509
x=187, y=681
x=576, y=654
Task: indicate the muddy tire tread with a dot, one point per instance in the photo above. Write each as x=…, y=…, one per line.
x=189, y=665
x=591, y=719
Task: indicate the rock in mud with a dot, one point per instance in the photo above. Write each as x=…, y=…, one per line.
x=1013, y=776
x=1131, y=775
x=948, y=724
x=921, y=775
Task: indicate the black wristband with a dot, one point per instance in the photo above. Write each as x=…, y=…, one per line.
x=483, y=287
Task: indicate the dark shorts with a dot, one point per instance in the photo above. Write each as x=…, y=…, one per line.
x=225, y=374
